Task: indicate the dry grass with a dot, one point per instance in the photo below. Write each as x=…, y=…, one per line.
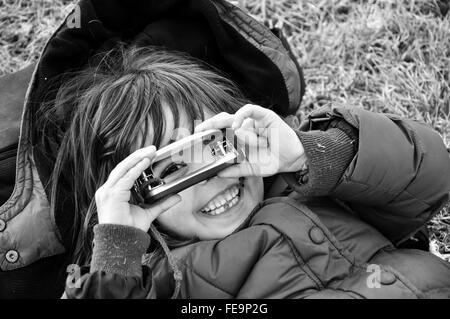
x=387, y=56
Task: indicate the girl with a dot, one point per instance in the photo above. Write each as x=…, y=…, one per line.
x=219, y=238
x=358, y=183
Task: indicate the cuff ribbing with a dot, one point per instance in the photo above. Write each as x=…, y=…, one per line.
x=119, y=249
x=328, y=155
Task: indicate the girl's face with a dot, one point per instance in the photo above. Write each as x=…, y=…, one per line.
x=211, y=209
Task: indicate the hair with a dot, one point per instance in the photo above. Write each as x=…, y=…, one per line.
x=117, y=99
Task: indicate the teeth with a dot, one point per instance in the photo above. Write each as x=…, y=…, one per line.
x=222, y=202
x=219, y=210
x=228, y=195
x=217, y=203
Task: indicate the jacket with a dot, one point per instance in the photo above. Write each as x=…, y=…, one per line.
x=35, y=244
x=395, y=199
x=342, y=245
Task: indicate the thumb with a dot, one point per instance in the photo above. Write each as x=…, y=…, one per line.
x=161, y=206
x=239, y=170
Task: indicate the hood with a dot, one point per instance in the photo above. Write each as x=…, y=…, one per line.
x=197, y=27
x=213, y=31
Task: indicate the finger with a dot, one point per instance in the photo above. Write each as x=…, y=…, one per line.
x=248, y=124
x=250, y=138
x=127, y=181
x=255, y=112
x=219, y=121
x=163, y=205
x=123, y=167
x=239, y=170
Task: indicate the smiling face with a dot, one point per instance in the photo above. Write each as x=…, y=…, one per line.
x=211, y=209
x=129, y=97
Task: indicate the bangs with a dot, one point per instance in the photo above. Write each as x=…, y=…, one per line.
x=188, y=91
x=159, y=120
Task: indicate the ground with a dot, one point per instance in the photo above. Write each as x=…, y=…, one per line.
x=388, y=56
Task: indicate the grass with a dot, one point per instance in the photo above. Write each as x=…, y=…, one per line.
x=386, y=56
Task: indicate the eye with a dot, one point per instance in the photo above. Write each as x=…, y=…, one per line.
x=172, y=168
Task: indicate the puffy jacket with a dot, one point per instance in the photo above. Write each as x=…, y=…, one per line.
x=286, y=250
x=398, y=178
x=35, y=245
x=312, y=247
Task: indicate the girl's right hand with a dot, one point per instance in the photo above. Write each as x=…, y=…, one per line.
x=112, y=198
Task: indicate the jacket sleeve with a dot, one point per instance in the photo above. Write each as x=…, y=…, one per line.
x=399, y=173
x=116, y=270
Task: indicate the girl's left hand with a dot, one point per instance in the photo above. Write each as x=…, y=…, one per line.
x=272, y=145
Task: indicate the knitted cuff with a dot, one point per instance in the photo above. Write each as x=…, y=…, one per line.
x=119, y=249
x=328, y=155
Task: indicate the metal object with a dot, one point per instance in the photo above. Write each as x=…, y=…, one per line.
x=201, y=156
